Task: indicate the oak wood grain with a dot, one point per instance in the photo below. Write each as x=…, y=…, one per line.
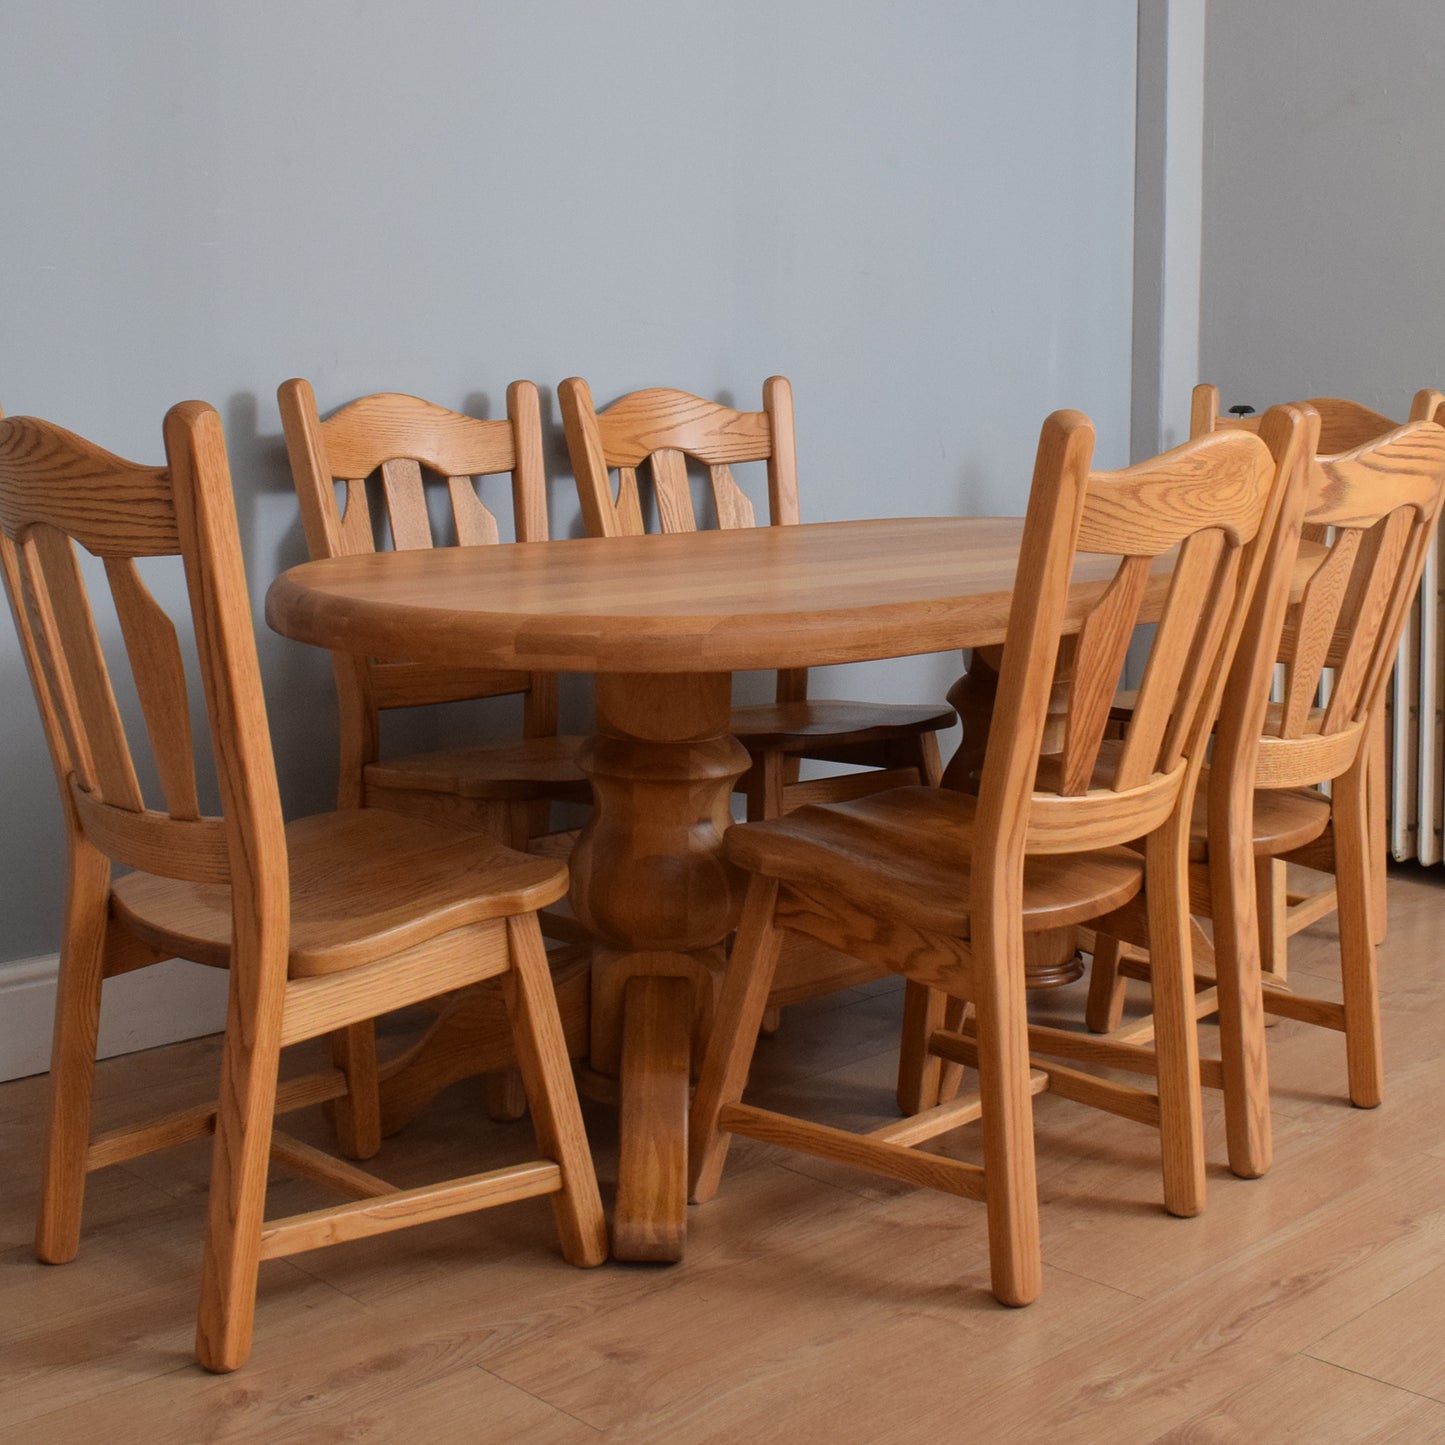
x=320, y=925
x=1373, y=508
x=833, y=1294
x=936, y=885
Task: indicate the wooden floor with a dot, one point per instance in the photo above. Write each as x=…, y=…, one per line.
x=814, y=1304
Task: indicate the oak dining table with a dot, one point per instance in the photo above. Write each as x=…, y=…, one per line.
x=662, y=623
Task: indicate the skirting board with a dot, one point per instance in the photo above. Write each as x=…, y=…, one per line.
x=140, y=1010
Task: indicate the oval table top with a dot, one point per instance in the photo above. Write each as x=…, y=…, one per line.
x=716, y=601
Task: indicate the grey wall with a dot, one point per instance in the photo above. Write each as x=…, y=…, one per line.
x=921, y=213
x=1323, y=203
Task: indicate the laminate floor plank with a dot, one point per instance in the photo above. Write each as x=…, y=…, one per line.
x=1307, y=1400
x=814, y=1303
x=1245, y=1315
x=107, y=1342
x=1400, y=1341
x=394, y=1394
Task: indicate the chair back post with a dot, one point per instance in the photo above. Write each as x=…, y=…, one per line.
x=306, y=451
x=1026, y=676
x=530, y=523
x=358, y=723
x=1203, y=409
x=529, y=475
x=783, y=504
x=210, y=545
x=1425, y=405
x=260, y=890
x=604, y=513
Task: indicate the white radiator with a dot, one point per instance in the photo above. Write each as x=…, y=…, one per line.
x=1415, y=727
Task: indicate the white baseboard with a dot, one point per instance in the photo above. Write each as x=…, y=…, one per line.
x=140, y=1010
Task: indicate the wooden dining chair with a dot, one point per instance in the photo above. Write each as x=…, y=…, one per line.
x=663, y=430
x=943, y=887
x=387, y=452
x=1344, y=425
x=383, y=449
x=320, y=922
x=1373, y=510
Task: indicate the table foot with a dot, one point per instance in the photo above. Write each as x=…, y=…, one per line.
x=1052, y=958
x=649, y=1219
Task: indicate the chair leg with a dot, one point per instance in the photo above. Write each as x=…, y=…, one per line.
x=1357, y=944
x=930, y=765
x=506, y=1097
x=739, y=1012
x=1379, y=840
x=1271, y=892
x=1010, y=1177
x=766, y=790
x=923, y=1078
x=240, y=1159
x=957, y=1014
x=1176, y=1033
x=72, y=1055
x=919, y=1072
x=546, y=1072
x=941, y=1078
x=1105, y=1006
x=1241, y=1012
x=357, y=1117
x=524, y=821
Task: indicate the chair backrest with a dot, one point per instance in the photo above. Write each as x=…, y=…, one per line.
x=1215, y=501
x=1344, y=425
x=59, y=492
x=664, y=428
x=1374, y=510
x=1370, y=502
x=387, y=446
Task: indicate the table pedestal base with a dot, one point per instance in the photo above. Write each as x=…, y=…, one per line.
x=650, y=881
x=649, y=1221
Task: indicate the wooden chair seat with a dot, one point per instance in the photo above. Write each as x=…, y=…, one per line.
x=799, y=727
x=906, y=854
x=350, y=903
x=1284, y=819
x=506, y=772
